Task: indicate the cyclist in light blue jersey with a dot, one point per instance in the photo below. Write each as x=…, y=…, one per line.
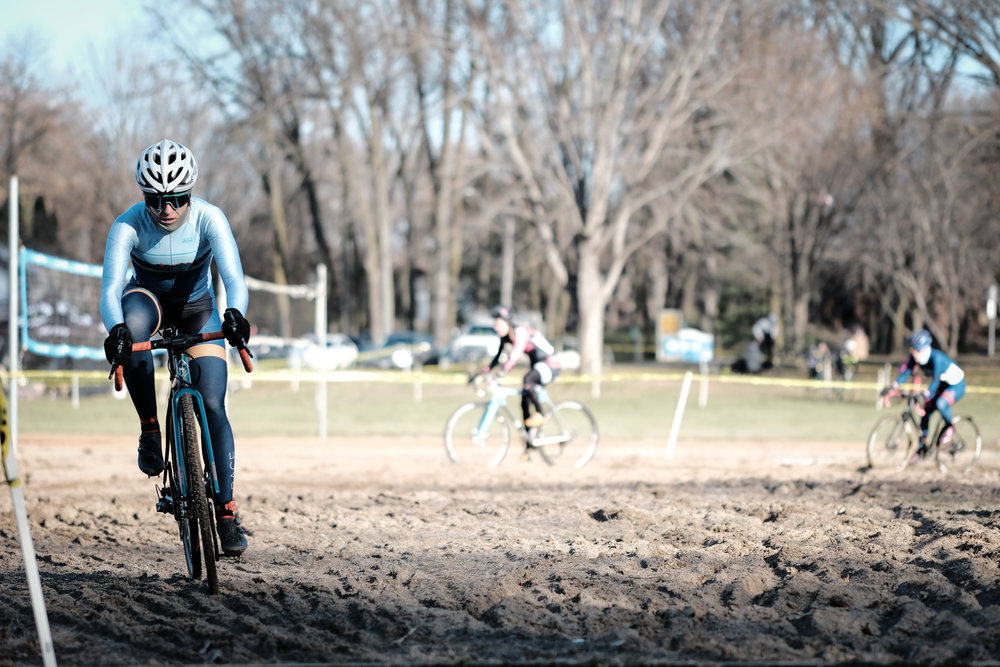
x=947, y=386
x=170, y=240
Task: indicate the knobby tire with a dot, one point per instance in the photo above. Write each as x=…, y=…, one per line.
x=962, y=453
x=891, y=442
x=192, y=550
x=201, y=517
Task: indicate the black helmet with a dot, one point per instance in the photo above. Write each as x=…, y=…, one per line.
x=502, y=312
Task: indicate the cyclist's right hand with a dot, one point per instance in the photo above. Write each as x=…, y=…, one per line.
x=118, y=345
x=474, y=377
x=887, y=394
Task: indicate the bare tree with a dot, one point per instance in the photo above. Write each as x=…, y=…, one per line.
x=443, y=89
x=611, y=118
x=969, y=27
x=909, y=205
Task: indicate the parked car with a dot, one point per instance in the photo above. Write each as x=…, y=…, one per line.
x=269, y=347
x=339, y=352
x=477, y=342
x=402, y=350
x=568, y=353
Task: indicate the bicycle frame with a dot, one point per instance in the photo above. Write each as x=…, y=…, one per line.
x=904, y=429
x=481, y=430
x=909, y=411
x=180, y=386
x=499, y=395
x=189, y=487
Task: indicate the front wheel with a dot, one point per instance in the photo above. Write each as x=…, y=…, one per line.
x=963, y=451
x=890, y=442
x=175, y=486
x=569, y=435
x=477, y=433
x=201, y=515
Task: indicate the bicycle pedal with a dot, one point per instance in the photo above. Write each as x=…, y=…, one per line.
x=166, y=502
x=165, y=505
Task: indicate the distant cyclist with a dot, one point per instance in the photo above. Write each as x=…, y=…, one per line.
x=170, y=239
x=765, y=332
x=947, y=386
x=517, y=340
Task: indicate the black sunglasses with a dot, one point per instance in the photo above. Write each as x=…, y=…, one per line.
x=159, y=202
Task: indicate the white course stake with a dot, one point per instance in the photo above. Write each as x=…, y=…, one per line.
x=8, y=444
x=678, y=415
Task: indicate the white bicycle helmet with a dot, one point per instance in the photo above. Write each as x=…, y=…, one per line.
x=166, y=167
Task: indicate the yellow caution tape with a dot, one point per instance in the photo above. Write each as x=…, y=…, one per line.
x=445, y=377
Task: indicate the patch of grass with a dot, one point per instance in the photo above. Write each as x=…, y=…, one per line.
x=628, y=406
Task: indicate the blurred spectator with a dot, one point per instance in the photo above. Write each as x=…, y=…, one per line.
x=819, y=355
x=765, y=332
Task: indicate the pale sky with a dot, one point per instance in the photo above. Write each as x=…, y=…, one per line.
x=66, y=30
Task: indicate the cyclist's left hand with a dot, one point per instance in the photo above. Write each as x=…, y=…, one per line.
x=236, y=328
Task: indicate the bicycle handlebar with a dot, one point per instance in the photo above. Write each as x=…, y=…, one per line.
x=490, y=383
x=913, y=396
x=180, y=342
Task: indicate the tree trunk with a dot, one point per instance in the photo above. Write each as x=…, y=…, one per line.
x=381, y=296
x=591, y=307
x=279, y=224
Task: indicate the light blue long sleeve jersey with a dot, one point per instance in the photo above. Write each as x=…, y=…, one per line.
x=175, y=266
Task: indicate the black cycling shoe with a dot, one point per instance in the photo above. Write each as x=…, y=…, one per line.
x=231, y=536
x=150, y=453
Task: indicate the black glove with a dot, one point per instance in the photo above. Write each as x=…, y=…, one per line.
x=118, y=344
x=236, y=328
x=885, y=391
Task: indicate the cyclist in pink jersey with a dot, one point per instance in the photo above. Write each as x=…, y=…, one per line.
x=517, y=340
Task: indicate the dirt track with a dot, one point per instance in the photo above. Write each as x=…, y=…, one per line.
x=380, y=551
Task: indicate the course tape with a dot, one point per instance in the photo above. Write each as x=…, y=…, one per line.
x=422, y=377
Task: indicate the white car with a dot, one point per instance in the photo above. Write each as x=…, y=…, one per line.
x=476, y=343
x=340, y=352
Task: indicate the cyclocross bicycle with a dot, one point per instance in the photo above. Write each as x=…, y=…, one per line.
x=480, y=431
x=895, y=438
x=190, y=479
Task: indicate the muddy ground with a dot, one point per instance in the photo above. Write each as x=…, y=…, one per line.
x=380, y=551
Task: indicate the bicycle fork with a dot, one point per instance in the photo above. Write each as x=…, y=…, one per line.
x=489, y=414
x=181, y=388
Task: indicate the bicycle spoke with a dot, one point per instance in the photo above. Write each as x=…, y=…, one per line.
x=471, y=436
x=962, y=453
x=179, y=506
x=202, y=516
x=890, y=442
x=569, y=436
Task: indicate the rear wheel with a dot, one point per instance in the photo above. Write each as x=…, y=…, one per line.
x=569, y=435
x=201, y=515
x=963, y=451
x=472, y=436
x=890, y=442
